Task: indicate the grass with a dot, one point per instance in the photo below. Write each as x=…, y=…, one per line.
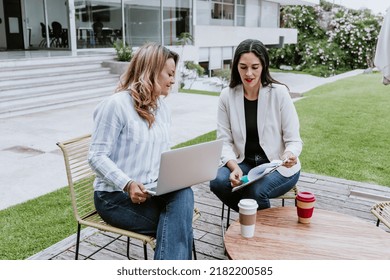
x=344, y=126
x=345, y=129
x=204, y=92
x=200, y=139
x=30, y=227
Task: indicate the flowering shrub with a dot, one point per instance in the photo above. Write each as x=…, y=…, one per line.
x=356, y=34
x=124, y=52
x=324, y=57
x=330, y=39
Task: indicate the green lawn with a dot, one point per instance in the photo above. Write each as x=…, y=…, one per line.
x=344, y=126
x=345, y=129
x=30, y=227
x=195, y=91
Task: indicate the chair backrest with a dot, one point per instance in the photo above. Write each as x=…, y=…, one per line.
x=80, y=175
x=98, y=29
x=43, y=30
x=381, y=210
x=57, y=29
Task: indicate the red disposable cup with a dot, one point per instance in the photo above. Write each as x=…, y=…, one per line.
x=305, y=206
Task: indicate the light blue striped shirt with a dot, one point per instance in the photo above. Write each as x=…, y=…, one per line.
x=123, y=147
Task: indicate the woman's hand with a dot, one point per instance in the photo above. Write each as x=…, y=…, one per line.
x=236, y=173
x=235, y=177
x=289, y=159
x=137, y=192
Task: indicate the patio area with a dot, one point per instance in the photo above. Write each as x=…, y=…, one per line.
x=334, y=194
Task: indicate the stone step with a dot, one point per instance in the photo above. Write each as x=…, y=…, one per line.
x=33, y=85
x=43, y=103
x=55, y=60
x=52, y=89
x=54, y=78
x=46, y=70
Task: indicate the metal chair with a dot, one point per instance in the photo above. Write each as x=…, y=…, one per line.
x=98, y=33
x=381, y=211
x=80, y=179
x=43, y=43
x=57, y=34
x=289, y=195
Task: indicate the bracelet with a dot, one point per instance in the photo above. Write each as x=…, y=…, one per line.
x=126, y=188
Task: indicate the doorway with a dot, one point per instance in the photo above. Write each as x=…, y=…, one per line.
x=13, y=24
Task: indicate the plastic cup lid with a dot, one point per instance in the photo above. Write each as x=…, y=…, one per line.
x=248, y=204
x=306, y=196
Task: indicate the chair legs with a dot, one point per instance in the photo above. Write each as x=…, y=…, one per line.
x=227, y=218
x=193, y=249
x=128, y=246
x=77, y=241
x=127, y=249
x=145, y=252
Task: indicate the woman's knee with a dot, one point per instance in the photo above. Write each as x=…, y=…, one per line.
x=220, y=181
x=185, y=196
x=183, y=202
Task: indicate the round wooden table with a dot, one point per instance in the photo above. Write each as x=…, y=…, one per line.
x=330, y=235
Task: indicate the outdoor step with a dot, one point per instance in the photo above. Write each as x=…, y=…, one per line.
x=35, y=85
x=54, y=78
x=77, y=85
x=45, y=61
x=62, y=100
x=46, y=70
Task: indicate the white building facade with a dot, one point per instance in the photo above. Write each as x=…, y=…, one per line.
x=216, y=26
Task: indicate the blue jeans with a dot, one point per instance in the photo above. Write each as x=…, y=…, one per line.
x=271, y=186
x=167, y=217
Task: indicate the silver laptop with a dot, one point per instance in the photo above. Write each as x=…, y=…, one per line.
x=183, y=167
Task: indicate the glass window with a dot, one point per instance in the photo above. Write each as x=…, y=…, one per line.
x=143, y=21
x=240, y=12
x=143, y=24
x=98, y=24
x=221, y=12
x=223, y=9
x=203, y=15
x=269, y=14
x=50, y=32
x=177, y=19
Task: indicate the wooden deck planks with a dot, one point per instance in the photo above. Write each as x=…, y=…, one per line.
x=331, y=193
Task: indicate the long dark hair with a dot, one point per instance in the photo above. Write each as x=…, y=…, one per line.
x=256, y=47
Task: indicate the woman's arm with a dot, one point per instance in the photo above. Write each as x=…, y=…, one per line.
x=107, y=127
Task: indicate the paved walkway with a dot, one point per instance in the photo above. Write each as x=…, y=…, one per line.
x=31, y=164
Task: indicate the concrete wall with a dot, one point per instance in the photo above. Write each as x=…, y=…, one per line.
x=225, y=36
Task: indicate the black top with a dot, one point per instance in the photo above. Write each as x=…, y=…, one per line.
x=253, y=151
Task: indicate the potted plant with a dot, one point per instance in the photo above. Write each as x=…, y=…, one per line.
x=124, y=53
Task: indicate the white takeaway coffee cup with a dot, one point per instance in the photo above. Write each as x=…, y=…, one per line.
x=247, y=211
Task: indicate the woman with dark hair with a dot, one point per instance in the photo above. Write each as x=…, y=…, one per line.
x=131, y=130
x=258, y=122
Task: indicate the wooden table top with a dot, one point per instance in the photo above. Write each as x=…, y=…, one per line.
x=330, y=235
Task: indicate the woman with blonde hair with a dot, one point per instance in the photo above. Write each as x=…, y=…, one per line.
x=131, y=130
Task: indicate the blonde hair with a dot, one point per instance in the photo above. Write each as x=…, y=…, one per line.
x=141, y=78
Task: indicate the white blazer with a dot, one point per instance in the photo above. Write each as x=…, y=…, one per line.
x=277, y=124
